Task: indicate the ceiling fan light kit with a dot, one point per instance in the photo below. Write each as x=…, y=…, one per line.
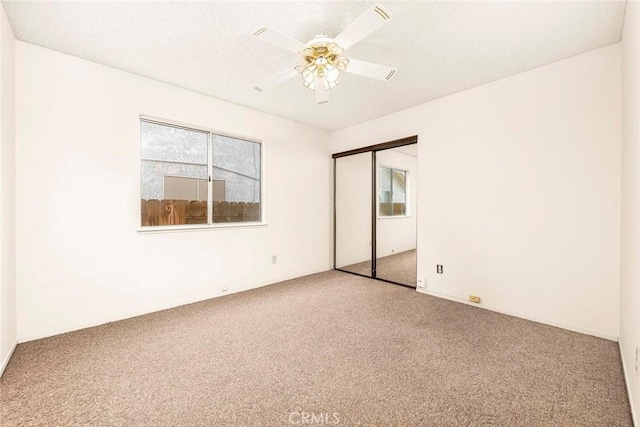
x=322, y=60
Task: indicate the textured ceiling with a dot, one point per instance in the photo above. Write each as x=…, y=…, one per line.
x=439, y=48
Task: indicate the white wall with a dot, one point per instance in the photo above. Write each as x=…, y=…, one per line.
x=630, y=244
x=398, y=234
x=519, y=191
x=81, y=261
x=7, y=193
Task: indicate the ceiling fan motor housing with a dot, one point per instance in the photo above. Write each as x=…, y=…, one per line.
x=322, y=61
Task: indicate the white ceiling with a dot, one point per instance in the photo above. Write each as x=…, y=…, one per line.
x=439, y=48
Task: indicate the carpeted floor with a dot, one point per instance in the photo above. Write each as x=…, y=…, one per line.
x=342, y=349
x=400, y=268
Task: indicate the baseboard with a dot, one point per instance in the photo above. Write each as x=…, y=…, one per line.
x=524, y=316
x=627, y=381
x=97, y=322
x=5, y=362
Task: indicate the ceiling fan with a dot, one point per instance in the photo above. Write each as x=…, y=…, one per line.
x=322, y=56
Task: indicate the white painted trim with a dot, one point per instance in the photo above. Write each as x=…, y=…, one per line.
x=522, y=316
x=625, y=371
x=209, y=181
x=78, y=326
x=193, y=227
x=5, y=362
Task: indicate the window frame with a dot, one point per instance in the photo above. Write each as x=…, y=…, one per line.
x=210, y=224
x=407, y=212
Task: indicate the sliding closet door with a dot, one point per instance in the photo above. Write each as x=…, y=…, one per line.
x=396, y=170
x=353, y=201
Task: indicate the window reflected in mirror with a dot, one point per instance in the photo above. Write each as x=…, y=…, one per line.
x=392, y=191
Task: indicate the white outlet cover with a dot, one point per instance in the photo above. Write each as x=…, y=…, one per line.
x=421, y=283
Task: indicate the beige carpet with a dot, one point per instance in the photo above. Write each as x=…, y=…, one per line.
x=334, y=346
x=400, y=268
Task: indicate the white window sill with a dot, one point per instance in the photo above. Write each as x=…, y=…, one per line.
x=394, y=217
x=196, y=227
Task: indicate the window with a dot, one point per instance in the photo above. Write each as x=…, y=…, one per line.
x=392, y=192
x=191, y=176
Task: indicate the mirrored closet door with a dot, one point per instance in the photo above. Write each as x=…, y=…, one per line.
x=353, y=201
x=396, y=170
x=375, y=211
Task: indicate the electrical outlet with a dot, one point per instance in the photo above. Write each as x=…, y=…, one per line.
x=637, y=360
x=274, y=259
x=422, y=283
x=439, y=269
x=474, y=298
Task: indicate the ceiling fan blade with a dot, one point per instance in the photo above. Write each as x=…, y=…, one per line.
x=370, y=21
x=375, y=71
x=321, y=92
x=279, y=39
x=276, y=79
